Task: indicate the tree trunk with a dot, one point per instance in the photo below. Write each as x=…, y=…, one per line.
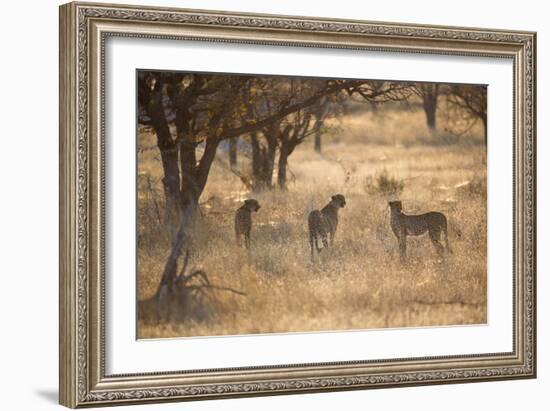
x=270, y=163
x=317, y=136
x=203, y=168
x=168, y=153
x=187, y=150
x=263, y=160
x=188, y=164
x=430, y=106
x=233, y=152
x=171, y=266
x=171, y=181
x=256, y=159
x=195, y=177
x=282, y=166
x=317, y=143
x=429, y=101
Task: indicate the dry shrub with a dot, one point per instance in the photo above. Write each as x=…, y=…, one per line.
x=384, y=184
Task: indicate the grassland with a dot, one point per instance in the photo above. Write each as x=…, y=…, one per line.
x=359, y=283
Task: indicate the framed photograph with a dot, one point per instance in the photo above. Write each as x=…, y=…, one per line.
x=260, y=204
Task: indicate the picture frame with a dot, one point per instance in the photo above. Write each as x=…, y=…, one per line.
x=84, y=30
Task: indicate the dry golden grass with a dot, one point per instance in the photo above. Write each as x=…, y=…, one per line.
x=356, y=285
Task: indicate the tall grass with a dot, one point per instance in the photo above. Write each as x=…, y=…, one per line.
x=357, y=284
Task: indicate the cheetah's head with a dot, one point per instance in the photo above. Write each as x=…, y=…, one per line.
x=339, y=200
x=396, y=206
x=252, y=204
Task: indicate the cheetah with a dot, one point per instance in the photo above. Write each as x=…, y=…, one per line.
x=403, y=225
x=324, y=223
x=243, y=221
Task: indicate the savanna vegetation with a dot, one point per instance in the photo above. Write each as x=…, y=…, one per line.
x=208, y=142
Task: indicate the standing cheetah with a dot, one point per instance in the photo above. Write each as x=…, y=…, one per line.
x=243, y=221
x=323, y=223
x=403, y=225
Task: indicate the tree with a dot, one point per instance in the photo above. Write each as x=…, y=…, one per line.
x=264, y=148
x=468, y=104
x=206, y=109
x=233, y=142
x=203, y=110
x=293, y=132
x=321, y=112
x=297, y=127
x=429, y=93
x=180, y=97
x=267, y=96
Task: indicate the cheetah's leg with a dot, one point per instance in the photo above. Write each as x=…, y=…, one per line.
x=435, y=236
x=325, y=241
x=402, y=247
x=247, y=240
x=312, y=240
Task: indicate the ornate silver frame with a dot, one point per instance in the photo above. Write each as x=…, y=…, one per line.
x=83, y=30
